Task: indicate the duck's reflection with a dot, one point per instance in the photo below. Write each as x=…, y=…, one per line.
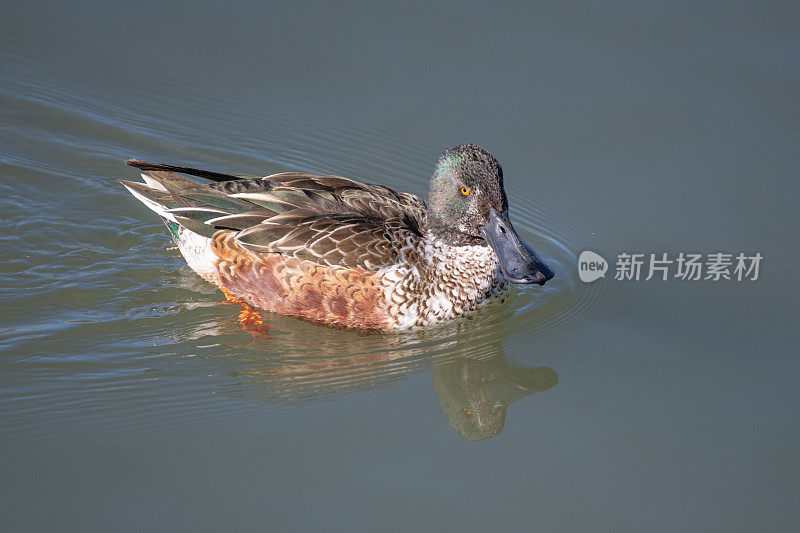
x=475, y=393
x=291, y=360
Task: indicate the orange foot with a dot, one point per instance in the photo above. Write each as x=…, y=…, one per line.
x=251, y=321
x=249, y=317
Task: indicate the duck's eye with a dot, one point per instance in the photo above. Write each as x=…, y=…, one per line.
x=465, y=191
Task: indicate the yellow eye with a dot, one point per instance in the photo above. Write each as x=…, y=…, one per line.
x=465, y=191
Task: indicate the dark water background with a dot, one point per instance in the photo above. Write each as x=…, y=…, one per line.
x=131, y=398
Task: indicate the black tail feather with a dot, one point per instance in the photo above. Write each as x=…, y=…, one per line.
x=213, y=176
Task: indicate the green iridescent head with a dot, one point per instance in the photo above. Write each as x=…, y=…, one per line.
x=467, y=205
x=467, y=183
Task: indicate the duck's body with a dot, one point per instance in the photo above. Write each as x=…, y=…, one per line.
x=331, y=249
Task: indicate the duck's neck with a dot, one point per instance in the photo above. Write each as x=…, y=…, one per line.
x=451, y=237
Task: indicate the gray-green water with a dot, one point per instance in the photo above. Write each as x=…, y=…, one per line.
x=131, y=398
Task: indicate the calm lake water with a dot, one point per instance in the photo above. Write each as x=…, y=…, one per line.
x=132, y=399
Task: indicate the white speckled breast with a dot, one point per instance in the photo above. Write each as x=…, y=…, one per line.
x=436, y=282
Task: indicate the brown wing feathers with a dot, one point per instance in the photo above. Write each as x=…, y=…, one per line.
x=325, y=219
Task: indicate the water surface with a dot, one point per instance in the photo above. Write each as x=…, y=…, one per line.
x=131, y=397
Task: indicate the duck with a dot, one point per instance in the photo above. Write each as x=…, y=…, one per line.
x=345, y=253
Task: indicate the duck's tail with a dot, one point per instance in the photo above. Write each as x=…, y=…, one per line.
x=161, y=192
x=153, y=194
x=158, y=167
x=180, y=200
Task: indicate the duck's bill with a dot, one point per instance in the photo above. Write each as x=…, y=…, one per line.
x=519, y=262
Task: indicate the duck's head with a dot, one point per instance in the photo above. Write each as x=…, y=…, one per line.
x=467, y=205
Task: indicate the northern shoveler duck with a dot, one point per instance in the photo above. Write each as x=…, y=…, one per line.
x=346, y=253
